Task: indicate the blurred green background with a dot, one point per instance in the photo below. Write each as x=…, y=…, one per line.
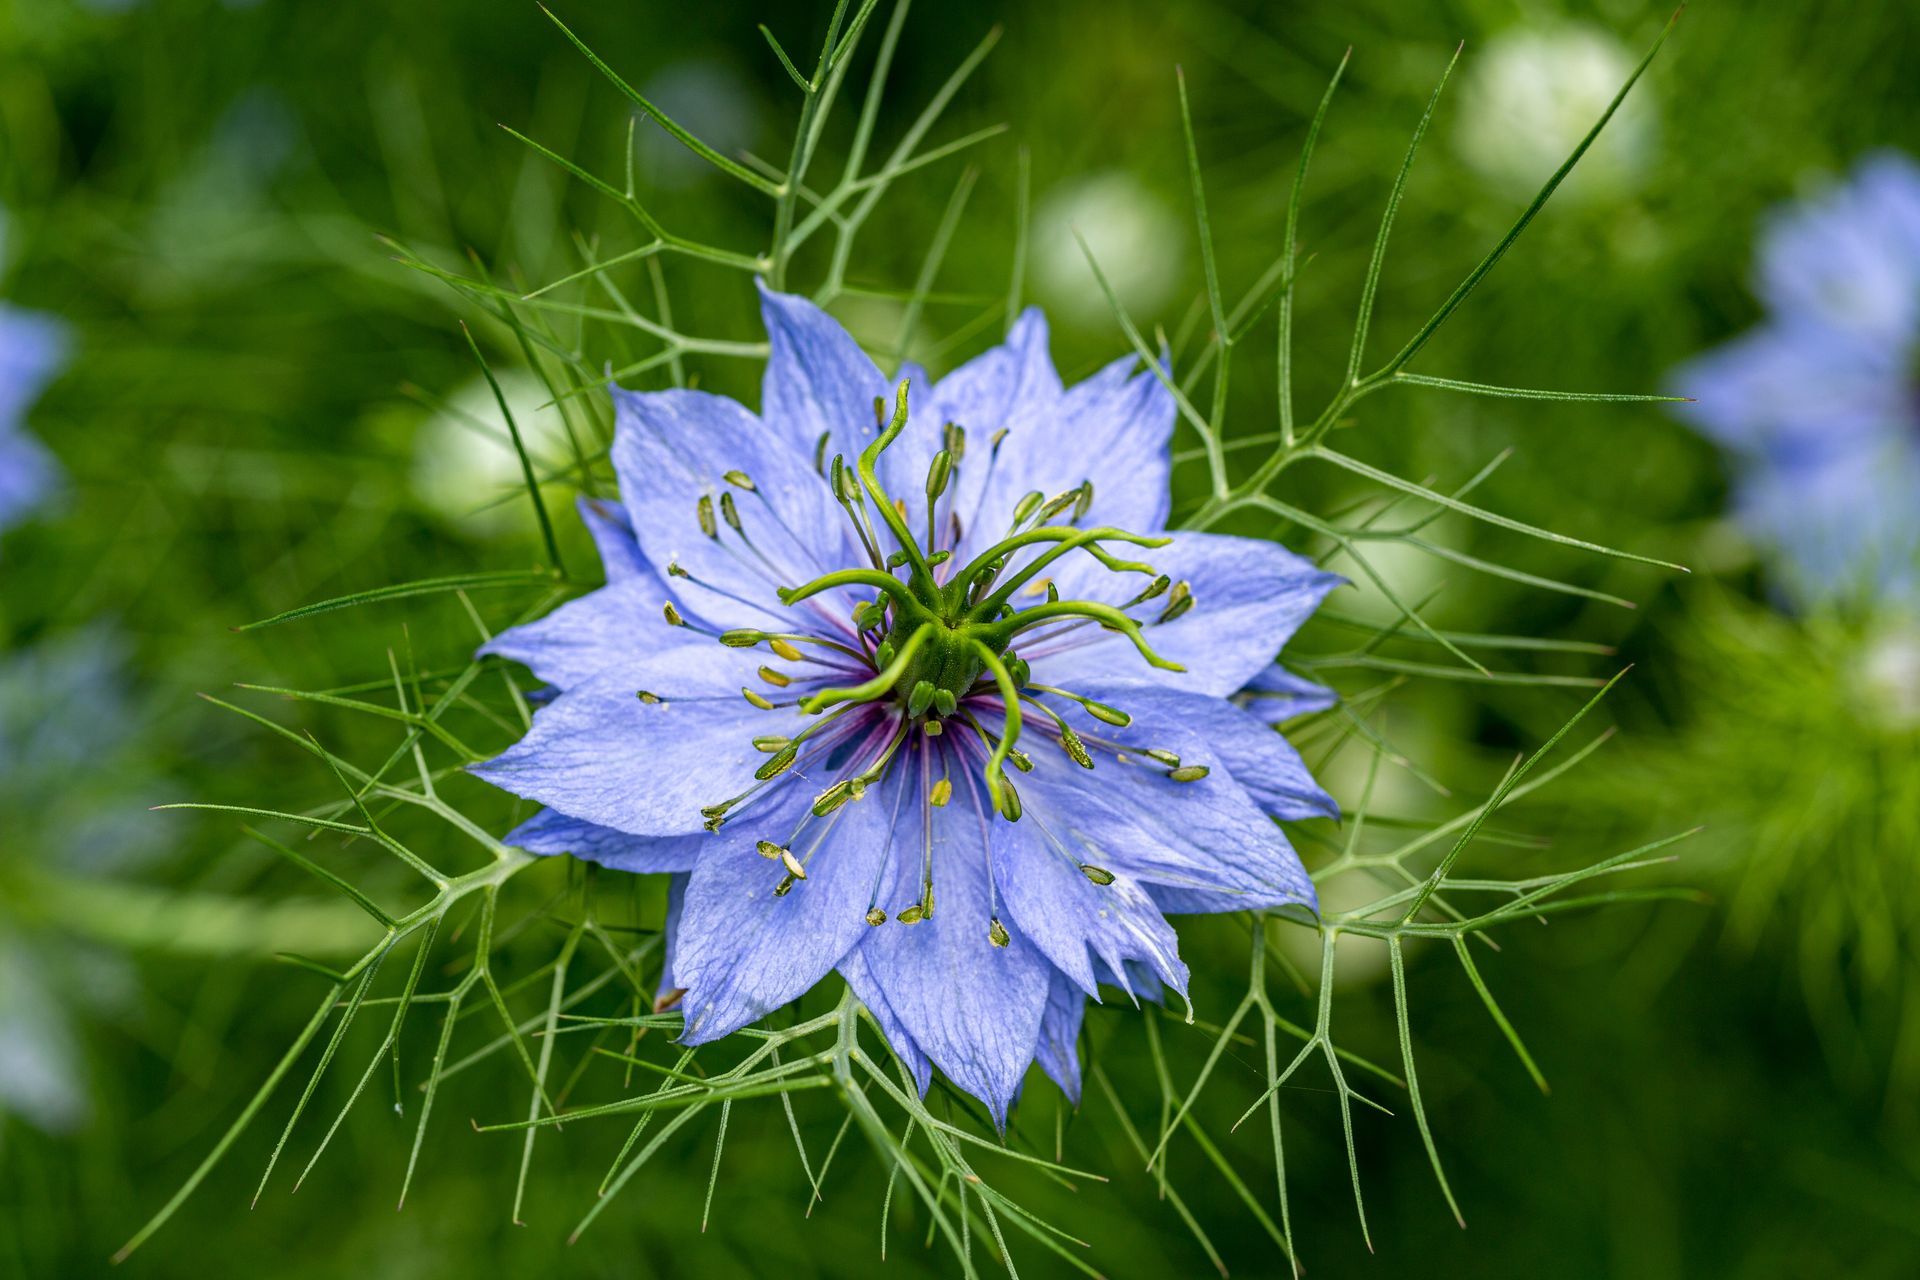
x=262, y=408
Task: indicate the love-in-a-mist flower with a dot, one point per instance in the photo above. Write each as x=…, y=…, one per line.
x=31, y=348
x=1820, y=406
x=911, y=682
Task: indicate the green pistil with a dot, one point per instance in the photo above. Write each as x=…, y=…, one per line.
x=881, y=684
x=1009, y=729
x=1106, y=615
x=884, y=582
x=939, y=471
x=921, y=576
x=1066, y=541
x=949, y=663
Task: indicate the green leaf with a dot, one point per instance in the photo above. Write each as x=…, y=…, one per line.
x=1529, y=393
x=785, y=61
x=520, y=449
x=406, y=590
x=234, y=1130
x=1401, y=1018
x=1392, y=481
x=930, y=265
x=729, y=167
x=1379, y=257
x=1022, y=198
x=1290, y=245
x=1486, y=264
x=1499, y=796
x=353, y=893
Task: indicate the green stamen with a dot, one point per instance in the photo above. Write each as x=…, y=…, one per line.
x=1098, y=710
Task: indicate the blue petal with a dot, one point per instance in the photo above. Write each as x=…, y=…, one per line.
x=599, y=753
x=1796, y=394
x=670, y=938
x=744, y=952
x=1260, y=759
x=1179, y=900
x=1846, y=529
x=1058, y=1050
x=818, y=380
x=670, y=449
x=1136, y=979
x=1207, y=835
x=612, y=532
x=972, y=1007
x=1250, y=596
x=866, y=989
x=1826, y=460
x=32, y=347
x=1073, y=921
x=1012, y=387
x=27, y=475
x=585, y=637
x=550, y=832
x=1112, y=429
x=1849, y=257
x=1275, y=695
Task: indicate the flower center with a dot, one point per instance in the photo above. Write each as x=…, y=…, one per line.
x=944, y=668
x=948, y=632
x=938, y=645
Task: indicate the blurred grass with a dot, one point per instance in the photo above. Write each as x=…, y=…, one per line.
x=197, y=187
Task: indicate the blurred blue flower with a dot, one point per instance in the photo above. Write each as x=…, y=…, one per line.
x=1820, y=406
x=814, y=747
x=71, y=805
x=31, y=349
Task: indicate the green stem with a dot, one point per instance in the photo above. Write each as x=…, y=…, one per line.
x=788, y=192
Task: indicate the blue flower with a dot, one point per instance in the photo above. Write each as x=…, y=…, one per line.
x=31, y=348
x=1820, y=406
x=876, y=677
x=71, y=780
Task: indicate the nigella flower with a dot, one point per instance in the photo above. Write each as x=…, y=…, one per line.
x=1821, y=405
x=31, y=347
x=913, y=684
